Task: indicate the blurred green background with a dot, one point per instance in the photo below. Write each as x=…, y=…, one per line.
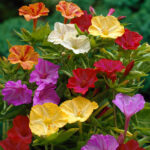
x=137, y=12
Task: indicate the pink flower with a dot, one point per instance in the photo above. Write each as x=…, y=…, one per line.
x=101, y=142
x=83, y=22
x=82, y=80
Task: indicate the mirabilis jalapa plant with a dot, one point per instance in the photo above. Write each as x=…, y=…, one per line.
x=75, y=87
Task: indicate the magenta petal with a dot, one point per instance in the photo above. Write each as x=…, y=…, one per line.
x=45, y=93
x=101, y=142
x=129, y=105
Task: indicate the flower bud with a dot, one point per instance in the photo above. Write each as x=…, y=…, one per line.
x=129, y=68
x=111, y=11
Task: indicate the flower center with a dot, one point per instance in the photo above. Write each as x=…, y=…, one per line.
x=83, y=83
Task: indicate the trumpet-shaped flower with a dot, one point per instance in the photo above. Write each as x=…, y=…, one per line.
x=24, y=55
x=78, y=109
x=33, y=11
x=46, y=119
x=45, y=93
x=106, y=27
x=45, y=72
x=101, y=142
x=69, y=10
x=110, y=67
x=82, y=80
x=83, y=22
x=129, y=40
x=16, y=93
x=60, y=32
x=129, y=105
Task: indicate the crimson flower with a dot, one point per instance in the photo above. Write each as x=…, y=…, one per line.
x=110, y=67
x=129, y=40
x=83, y=22
x=130, y=145
x=82, y=80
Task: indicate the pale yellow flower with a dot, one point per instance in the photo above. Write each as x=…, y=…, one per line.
x=106, y=27
x=78, y=109
x=46, y=119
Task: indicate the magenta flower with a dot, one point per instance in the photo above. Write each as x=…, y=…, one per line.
x=101, y=142
x=45, y=72
x=16, y=93
x=45, y=93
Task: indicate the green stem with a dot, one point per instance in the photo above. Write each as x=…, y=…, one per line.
x=52, y=147
x=114, y=109
x=46, y=147
x=80, y=128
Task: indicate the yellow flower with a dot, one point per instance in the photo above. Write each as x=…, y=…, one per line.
x=46, y=119
x=106, y=27
x=78, y=109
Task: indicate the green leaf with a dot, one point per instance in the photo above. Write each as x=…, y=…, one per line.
x=124, y=90
x=136, y=74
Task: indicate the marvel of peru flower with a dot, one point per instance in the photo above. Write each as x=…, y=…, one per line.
x=19, y=136
x=83, y=22
x=45, y=72
x=46, y=119
x=16, y=93
x=129, y=40
x=129, y=106
x=33, y=11
x=82, y=80
x=130, y=145
x=45, y=93
x=23, y=55
x=110, y=67
x=69, y=10
x=101, y=142
x=106, y=27
x=78, y=109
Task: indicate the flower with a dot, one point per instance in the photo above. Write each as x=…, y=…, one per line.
x=130, y=145
x=46, y=119
x=106, y=27
x=24, y=55
x=33, y=11
x=101, y=142
x=129, y=40
x=45, y=72
x=45, y=93
x=60, y=32
x=110, y=67
x=83, y=22
x=82, y=80
x=69, y=10
x=78, y=109
x=8, y=144
x=129, y=105
x=16, y=93
x=20, y=132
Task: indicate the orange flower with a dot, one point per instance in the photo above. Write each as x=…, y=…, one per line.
x=33, y=11
x=24, y=55
x=69, y=10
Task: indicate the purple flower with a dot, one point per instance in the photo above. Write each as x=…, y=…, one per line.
x=45, y=72
x=16, y=93
x=129, y=105
x=45, y=93
x=101, y=142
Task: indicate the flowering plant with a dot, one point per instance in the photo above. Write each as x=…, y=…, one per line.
x=75, y=87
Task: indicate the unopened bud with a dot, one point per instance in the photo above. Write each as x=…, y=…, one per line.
x=92, y=10
x=111, y=11
x=129, y=68
x=121, y=17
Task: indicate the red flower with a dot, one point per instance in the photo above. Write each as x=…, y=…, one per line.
x=130, y=145
x=8, y=144
x=129, y=40
x=129, y=68
x=82, y=80
x=20, y=132
x=110, y=67
x=83, y=22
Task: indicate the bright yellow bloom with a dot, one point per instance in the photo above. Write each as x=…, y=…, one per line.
x=106, y=27
x=46, y=119
x=24, y=55
x=78, y=109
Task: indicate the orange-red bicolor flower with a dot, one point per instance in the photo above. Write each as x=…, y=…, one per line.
x=24, y=55
x=69, y=10
x=33, y=11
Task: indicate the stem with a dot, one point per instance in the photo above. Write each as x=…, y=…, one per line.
x=46, y=147
x=52, y=147
x=34, y=23
x=80, y=128
x=114, y=109
x=65, y=20
x=127, y=120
